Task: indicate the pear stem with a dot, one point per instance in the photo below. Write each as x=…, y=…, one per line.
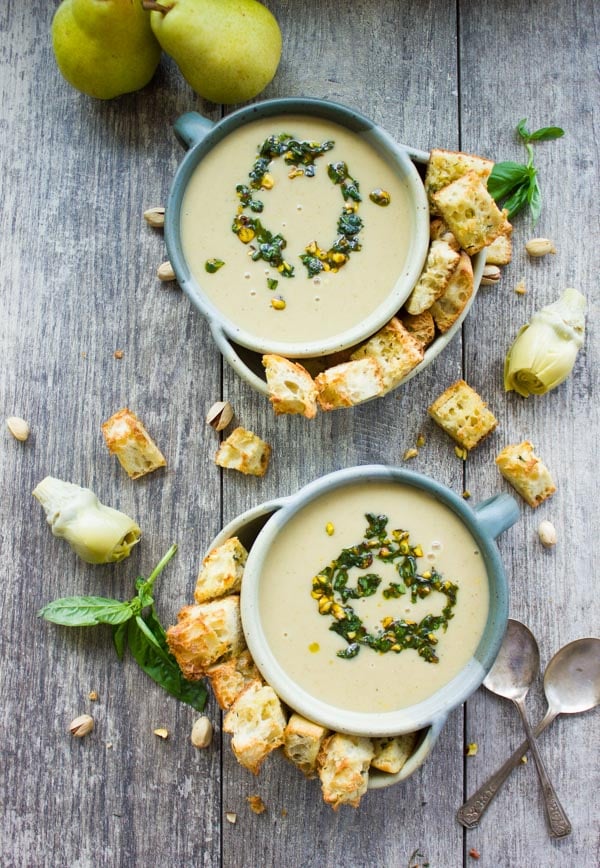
x=151, y=6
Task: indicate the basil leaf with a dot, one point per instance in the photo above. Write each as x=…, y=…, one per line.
x=120, y=638
x=534, y=197
x=86, y=611
x=147, y=643
x=546, y=134
x=522, y=130
x=517, y=201
x=505, y=177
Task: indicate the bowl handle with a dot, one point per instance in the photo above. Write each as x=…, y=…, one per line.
x=415, y=154
x=190, y=128
x=247, y=525
x=233, y=358
x=497, y=514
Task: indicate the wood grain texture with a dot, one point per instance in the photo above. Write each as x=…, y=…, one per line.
x=78, y=266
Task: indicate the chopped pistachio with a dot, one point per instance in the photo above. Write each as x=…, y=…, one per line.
x=472, y=749
x=410, y=453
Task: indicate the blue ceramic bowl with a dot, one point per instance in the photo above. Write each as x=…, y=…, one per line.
x=200, y=135
x=258, y=528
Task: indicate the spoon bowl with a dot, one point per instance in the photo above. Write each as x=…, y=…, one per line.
x=572, y=678
x=516, y=665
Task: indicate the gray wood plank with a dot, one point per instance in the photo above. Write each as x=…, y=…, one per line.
x=535, y=75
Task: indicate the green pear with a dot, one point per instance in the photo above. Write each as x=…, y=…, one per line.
x=104, y=47
x=227, y=50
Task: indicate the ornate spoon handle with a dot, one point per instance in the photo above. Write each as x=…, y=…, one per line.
x=558, y=822
x=474, y=808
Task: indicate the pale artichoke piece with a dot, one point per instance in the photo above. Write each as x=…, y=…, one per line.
x=97, y=533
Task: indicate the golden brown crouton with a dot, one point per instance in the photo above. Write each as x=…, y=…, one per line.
x=205, y=634
x=526, y=472
x=244, y=451
x=291, y=387
x=349, y=383
x=449, y=306
x=221, y=572
x=127, y=438
x=392, y=752
x=420, y=325
x=499, y=252
x=343, y=765
x=302, y=742
x=228, y=679
x=395, y=350
x=463, y=415
x=439, y=265
x=256, y=721
x=471, y=213
x=444, y=167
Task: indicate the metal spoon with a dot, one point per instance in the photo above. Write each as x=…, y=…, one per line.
x=571, y=685
x=511, y=676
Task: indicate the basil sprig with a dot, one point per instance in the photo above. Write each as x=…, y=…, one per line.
x=515, y=185
x=135, y=624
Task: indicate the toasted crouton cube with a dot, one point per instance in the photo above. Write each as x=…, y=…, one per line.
x=439, y=265
x=205, y=634
x=222, y=571
x=526, y=472
x=303, y=740
x=471, y=213
x=499, y=252
x=463, y=415
x=257, y=722
x=391, y=753
x=343, y=765
x=444, y=167
x=395, y=350
x=438, y=231
x=449, y=306
x=228, y=679
x=291, y=387
x=349, y=383
x=244, y=451
x=127, y=438
x=420, y=325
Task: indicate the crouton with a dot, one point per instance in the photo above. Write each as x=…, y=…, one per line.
x=127, y=438
x=391, y=753
x=228, y=679
x=257, y=722
x=205, y=634
x=349, y=383
x=444, y=167
x=463, y=415
x=471, y=213
x=244, y=451
x=527, y=474
x=449, y=306
x=343, y=768
x=291, y=387
x=438, y=231
x=221, y=572
x=420, y=325
x=499, y=252
x=395, y=350
x=439, y=265
x=303, y=740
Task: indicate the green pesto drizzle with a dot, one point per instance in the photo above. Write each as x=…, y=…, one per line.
x=332, y=591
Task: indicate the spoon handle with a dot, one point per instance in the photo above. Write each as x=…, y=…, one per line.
x=558, y=822
x=474, y=808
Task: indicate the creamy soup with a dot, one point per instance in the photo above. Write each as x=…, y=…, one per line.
x=303, y=204
x=388, y=676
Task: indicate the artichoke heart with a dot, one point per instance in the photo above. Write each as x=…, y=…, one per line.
x=97, y=533
x=544, y=351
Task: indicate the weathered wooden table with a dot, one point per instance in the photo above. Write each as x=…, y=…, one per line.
x=78, y=282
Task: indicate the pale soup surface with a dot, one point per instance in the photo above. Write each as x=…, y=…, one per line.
x=299, y=636
x=302, y=209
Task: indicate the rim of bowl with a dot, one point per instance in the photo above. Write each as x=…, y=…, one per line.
x=411, y=718
x=383, y=143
